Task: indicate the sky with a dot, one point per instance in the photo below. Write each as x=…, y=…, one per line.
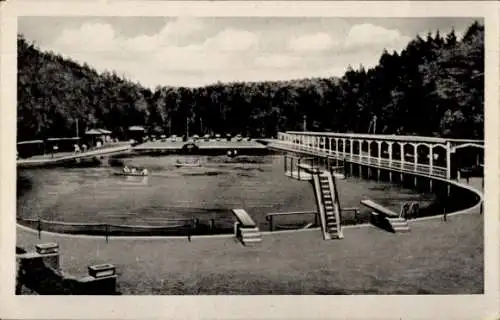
x=196, y=51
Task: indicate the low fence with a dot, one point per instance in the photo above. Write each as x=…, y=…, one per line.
x=170, y=227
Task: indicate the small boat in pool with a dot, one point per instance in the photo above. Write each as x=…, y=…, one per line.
x=179, y=164
x=132, y=172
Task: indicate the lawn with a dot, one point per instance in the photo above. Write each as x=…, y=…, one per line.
x=436, y=257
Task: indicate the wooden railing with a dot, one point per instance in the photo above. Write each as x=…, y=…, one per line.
x=383, y=163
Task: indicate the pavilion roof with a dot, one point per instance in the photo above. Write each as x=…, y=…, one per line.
x=136, y=128
x=97, y=132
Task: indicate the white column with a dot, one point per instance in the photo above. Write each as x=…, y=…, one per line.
x=390, y=152
x=329, y=145
x=431, y=158
x=402, y=148
x=379, y=151
x=369, y=142
x=351, y=148
x=448, y=160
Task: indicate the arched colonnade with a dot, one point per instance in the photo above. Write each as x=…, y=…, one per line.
x=427, y=155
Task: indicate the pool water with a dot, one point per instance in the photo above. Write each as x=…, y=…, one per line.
x=254, y=183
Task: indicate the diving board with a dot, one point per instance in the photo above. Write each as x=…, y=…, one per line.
x=381, y=216
x=246, y=230
x=244, y=218
x=380, y=209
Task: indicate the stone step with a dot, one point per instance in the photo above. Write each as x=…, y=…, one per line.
x=392, y=220
x=402, y=229
x=337, y=236
x=399, y=223
x=252, y=240
x=251, y=235
x=254, y=229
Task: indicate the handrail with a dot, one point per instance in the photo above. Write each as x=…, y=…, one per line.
x=289, y=213
x=319, y=200
x=384, y=163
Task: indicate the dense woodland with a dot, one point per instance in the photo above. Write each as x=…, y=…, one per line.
x=434, y=87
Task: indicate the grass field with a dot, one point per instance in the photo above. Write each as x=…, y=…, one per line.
x=436, y=257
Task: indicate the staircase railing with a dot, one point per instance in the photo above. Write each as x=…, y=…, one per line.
x=338, y=208
x=320, y=202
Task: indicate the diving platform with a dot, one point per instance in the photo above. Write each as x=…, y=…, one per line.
x=202, y=147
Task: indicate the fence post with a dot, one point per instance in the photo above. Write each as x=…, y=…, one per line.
x=286, y=160
x=298, y=169
x=212, y=225
x=196, y=223
x=39, y=227
x=106, y=232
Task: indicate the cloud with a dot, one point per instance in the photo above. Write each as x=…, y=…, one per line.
x=376, y=37
x=189, y=59
x=277, y=61
x=194, y=51
x=312, y=42
x=89, y=37
x=232, y=40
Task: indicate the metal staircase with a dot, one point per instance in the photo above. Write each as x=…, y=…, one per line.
x=328, y=204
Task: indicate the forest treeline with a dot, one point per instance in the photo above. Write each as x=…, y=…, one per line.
x=434, y=87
